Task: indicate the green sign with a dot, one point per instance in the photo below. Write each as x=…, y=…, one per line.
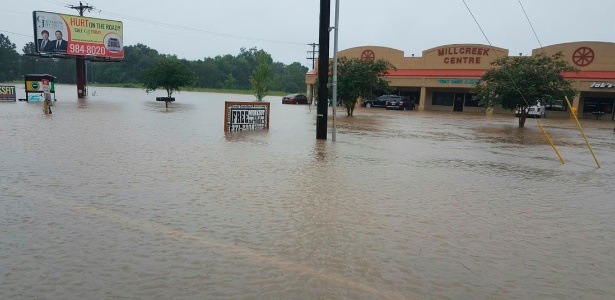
x=458, y=81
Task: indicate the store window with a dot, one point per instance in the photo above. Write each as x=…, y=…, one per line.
x=443, y=98
x=593, y=104
x=448, y=99
x=470, y=101
x=557, y=105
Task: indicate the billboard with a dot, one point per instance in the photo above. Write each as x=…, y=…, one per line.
x=75, y=35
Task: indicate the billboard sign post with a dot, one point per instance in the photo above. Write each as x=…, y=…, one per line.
x=47, y=92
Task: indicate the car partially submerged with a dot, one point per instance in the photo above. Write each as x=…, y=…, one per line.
x=380, y=101
x=400, y=103
x=294, y=99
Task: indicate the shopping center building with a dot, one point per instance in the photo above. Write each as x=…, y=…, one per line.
x=442, y=78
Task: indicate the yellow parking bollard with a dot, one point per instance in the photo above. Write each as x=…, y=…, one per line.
x=573, y=112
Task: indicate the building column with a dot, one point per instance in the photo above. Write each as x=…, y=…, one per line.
x=422, y=99
x=310, y=90
x=576, y=100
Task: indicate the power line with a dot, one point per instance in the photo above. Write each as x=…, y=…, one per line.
x=26, y=35
x=113, y=14
x=531, y=26
x=196, y=29
x=162, y=24
x=496, y=54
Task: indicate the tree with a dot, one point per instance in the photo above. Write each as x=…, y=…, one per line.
x=360, y=78
x=260, y=75
x=9, y=60
x=168, y=73
x=518, y=82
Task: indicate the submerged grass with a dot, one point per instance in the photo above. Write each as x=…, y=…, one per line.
x=193, y=89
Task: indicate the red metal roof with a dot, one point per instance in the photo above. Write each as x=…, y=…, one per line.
x=428, y=73
x=437, y=73
x=599, y=75
x=590, y=75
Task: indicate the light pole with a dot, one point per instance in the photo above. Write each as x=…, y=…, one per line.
x=337, y=24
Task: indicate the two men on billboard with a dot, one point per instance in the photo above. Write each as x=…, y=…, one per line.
x=47, y=45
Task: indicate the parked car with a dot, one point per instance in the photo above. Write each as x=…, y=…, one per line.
x=534, y=111
x=380, y=101
x=400, y=103
x=294, y=99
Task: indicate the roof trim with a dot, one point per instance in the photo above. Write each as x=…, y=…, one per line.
x=598, y=75
x=437, y=73
x=590, y=75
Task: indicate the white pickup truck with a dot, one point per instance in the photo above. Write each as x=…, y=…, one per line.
x=534, y=111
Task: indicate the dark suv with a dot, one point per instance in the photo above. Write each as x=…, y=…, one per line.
x=381, y=101
x=402, y=103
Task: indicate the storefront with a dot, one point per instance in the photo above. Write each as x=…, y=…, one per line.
x=442, y=78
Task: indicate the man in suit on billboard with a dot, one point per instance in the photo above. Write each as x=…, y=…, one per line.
x=59, y=45
x=44, y=44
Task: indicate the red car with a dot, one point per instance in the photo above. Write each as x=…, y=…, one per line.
x=294, y=99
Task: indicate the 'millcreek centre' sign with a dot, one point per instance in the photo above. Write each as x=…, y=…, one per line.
x=463, y=55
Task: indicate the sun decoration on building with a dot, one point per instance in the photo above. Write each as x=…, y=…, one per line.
x=583, y=56
x=368, y=55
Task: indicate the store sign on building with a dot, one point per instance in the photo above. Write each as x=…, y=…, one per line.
x=463, y=55
x=602, y=85
x=458, y=81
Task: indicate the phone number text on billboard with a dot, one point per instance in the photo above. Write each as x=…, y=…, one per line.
x=86, y=49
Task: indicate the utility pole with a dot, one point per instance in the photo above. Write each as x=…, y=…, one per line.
x=323, y=70
x=80, y=60
x=312, y=55
x=81, y=8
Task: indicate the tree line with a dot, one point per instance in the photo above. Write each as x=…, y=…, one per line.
x=220, y=72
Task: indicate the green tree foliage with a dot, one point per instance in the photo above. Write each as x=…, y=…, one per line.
x=9, y=60
x=260, y=76
x=359, y=78
x=31, y=63
x=289, y=79
x=226, y=71
x=521, y=81
x=168, y=73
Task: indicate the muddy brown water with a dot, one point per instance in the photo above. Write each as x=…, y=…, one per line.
x=116, y=197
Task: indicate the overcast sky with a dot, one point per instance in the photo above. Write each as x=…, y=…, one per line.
x=194, y=29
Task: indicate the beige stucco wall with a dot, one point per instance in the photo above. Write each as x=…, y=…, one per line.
x=594, y=58
x=599, y=56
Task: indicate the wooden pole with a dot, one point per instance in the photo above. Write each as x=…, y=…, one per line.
x=323, y=70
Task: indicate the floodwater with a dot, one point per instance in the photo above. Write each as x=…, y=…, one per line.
x=116, y=197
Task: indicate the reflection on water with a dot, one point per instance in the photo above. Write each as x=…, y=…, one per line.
x=115, y=196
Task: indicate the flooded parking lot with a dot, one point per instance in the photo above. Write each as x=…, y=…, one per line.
x=116, y=197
